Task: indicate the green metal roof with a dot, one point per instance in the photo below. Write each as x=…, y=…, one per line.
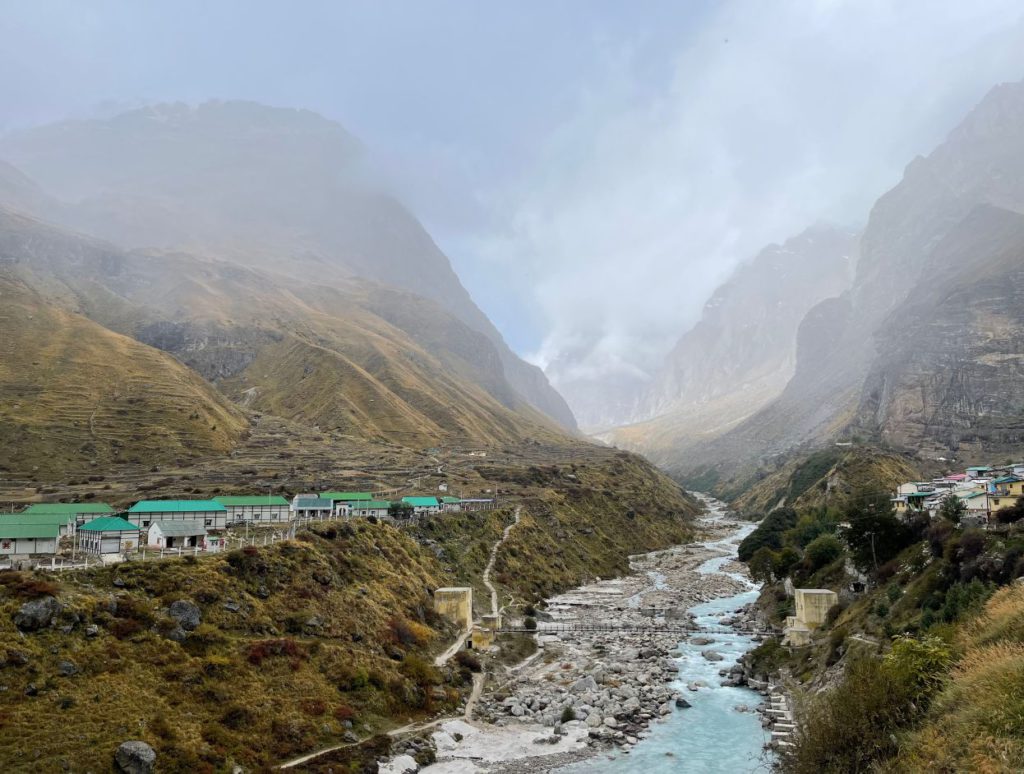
x=921, y=494
x=251, y=500
x=9, y=530
x=176, y=506
x=374, y=504
x=69, y=508
x=109, y=524
x=346, y=497
x=1005, y=480
x=37, y=518
x=451, y=500
x=423, y=502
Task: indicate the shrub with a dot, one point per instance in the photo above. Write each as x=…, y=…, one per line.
x=402, y=631
x=530, y=623
x=822, y=551
x=568, y=714
x=279, y=648
x=420, y=671
x=468, y=661
x=27, y=586
x=768, y=533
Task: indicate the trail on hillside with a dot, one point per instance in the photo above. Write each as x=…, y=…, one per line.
x=494, y=555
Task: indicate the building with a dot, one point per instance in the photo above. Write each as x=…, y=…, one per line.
x=211, y=513
x=108, y=536
x=263, y=509
x=422, y=506
x=177, y=534
x=812, y=606
x=976, y=503
x=456, y=604
x=79, y=512
x=476, y=504
x=65, y=522
x=345, y=503
x=376, y=508
x=26, y=539
x=451, y=503
x=310, y=506
x=1004, y=492
x=911, y=502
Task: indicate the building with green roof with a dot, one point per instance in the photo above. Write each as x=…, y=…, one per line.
x=451, y=503
x=423, y=505
x=377, y=508
x=26, y=539
x=267, y=509
x=108, y=535
x=79, y=512
x=65, y=522
x=211, y=513
x=347, y=497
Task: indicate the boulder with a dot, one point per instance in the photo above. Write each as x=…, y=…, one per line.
x=135, y=757
x=186, y=613
x=584, y=684
x=37, y=614
x=712, y=655
x=67, y=668
x=683, y=703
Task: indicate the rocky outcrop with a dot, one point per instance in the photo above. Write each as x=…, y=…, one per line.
x=135, y=757
x=37, y=614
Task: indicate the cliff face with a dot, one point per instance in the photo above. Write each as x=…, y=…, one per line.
x=743, y=351
x=858, y=370
x=283, y=191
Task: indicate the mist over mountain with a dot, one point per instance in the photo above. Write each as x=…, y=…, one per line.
x=285, y=191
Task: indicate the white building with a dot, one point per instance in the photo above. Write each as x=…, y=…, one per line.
x=177, y=534
x=108, y=536
x=211, y=513
x=27, y=539
x=310, y=506
x=269, y=509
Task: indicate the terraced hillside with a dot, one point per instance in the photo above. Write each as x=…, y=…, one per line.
x=79, y=397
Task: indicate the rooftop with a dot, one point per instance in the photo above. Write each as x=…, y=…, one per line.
x=27, y=531
x=346, y=496
x=37, y=518
x=176, y=506
x=374, y=504
x=423, y=502
x=451, y=500
x=180, y=528
x=313, y=502
x=109, y=524
x=69, y=508
x=241, y=500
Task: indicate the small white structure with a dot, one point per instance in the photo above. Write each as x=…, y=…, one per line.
x=269, y=509
x=108, y=536
x=177, y=534
x=311, y=507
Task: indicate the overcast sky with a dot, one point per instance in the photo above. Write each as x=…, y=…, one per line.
x=594, y=169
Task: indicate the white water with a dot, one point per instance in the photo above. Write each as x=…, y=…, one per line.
x=711, y=736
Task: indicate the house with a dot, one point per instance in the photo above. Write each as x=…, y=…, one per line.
x=423, y=505
x=310, y=506
x=451, y=503
x=108, y=536
x=376, y=508
x=346, y=502
x=911, y=502
x=25, y=539
x=1004, y=492
x=177, y=534
x=271, y=509
x=65, y=522
x=976, y=503
x=211, y=513
x=79, y=512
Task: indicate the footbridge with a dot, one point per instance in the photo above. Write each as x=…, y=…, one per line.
x=683, y=629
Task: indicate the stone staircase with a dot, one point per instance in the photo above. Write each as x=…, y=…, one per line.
x=780, y=716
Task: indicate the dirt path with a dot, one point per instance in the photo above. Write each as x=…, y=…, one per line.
x=494, y=555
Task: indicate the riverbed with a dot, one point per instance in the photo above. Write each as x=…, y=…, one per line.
x=641, y=700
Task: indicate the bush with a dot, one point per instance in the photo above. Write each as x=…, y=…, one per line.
x=822, y=551
x=768, y=533
x=568, y=715
x=27, y=586
x=279, y=648
x=468, y=661
x=530, y=623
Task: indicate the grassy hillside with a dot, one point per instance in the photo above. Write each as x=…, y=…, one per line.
x=77, y=397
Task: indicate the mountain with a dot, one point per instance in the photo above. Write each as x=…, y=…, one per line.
x=929, y=328
x=367, y=361
x=284, y=191
x=742, y=352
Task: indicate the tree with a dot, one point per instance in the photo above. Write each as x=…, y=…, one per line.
x=952, y=508
x=785, y=561
x=762, y=565
x=821, y=552
x=1013, y=514
x=874, y=535
x=768, y=533
x=400, y=511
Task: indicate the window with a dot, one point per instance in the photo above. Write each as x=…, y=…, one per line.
x=209, y=522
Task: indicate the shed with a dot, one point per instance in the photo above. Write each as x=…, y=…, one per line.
x=258, y=508
x=24, y=539
x=211, y=513
x=310, y=506
x=108, y=535
x=451, y=503
x=177, y=534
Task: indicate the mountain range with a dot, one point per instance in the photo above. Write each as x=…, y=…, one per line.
x=247, y=257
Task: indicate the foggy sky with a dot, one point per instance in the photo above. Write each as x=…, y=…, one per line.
x=593, y=169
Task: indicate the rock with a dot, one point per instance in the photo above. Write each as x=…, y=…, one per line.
x=231, y=606
x=118, y=583
x=31, y=690
x=135, y=757
x=67, y=668
x=712, y=655
x=92, y=630
x=186, y=613
x=683, y=703
x=37, y=614
x=517, y=710
x=584, y=684
x=610, y=722
x=594, y=720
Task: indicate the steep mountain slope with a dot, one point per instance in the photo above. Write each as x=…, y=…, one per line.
x=76, y=396
x=742, y=352
x=311, y=353
x=904, y=262
x=285, y=191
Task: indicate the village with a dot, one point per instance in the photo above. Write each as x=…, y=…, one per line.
x=69, y=535
x=983, y=491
